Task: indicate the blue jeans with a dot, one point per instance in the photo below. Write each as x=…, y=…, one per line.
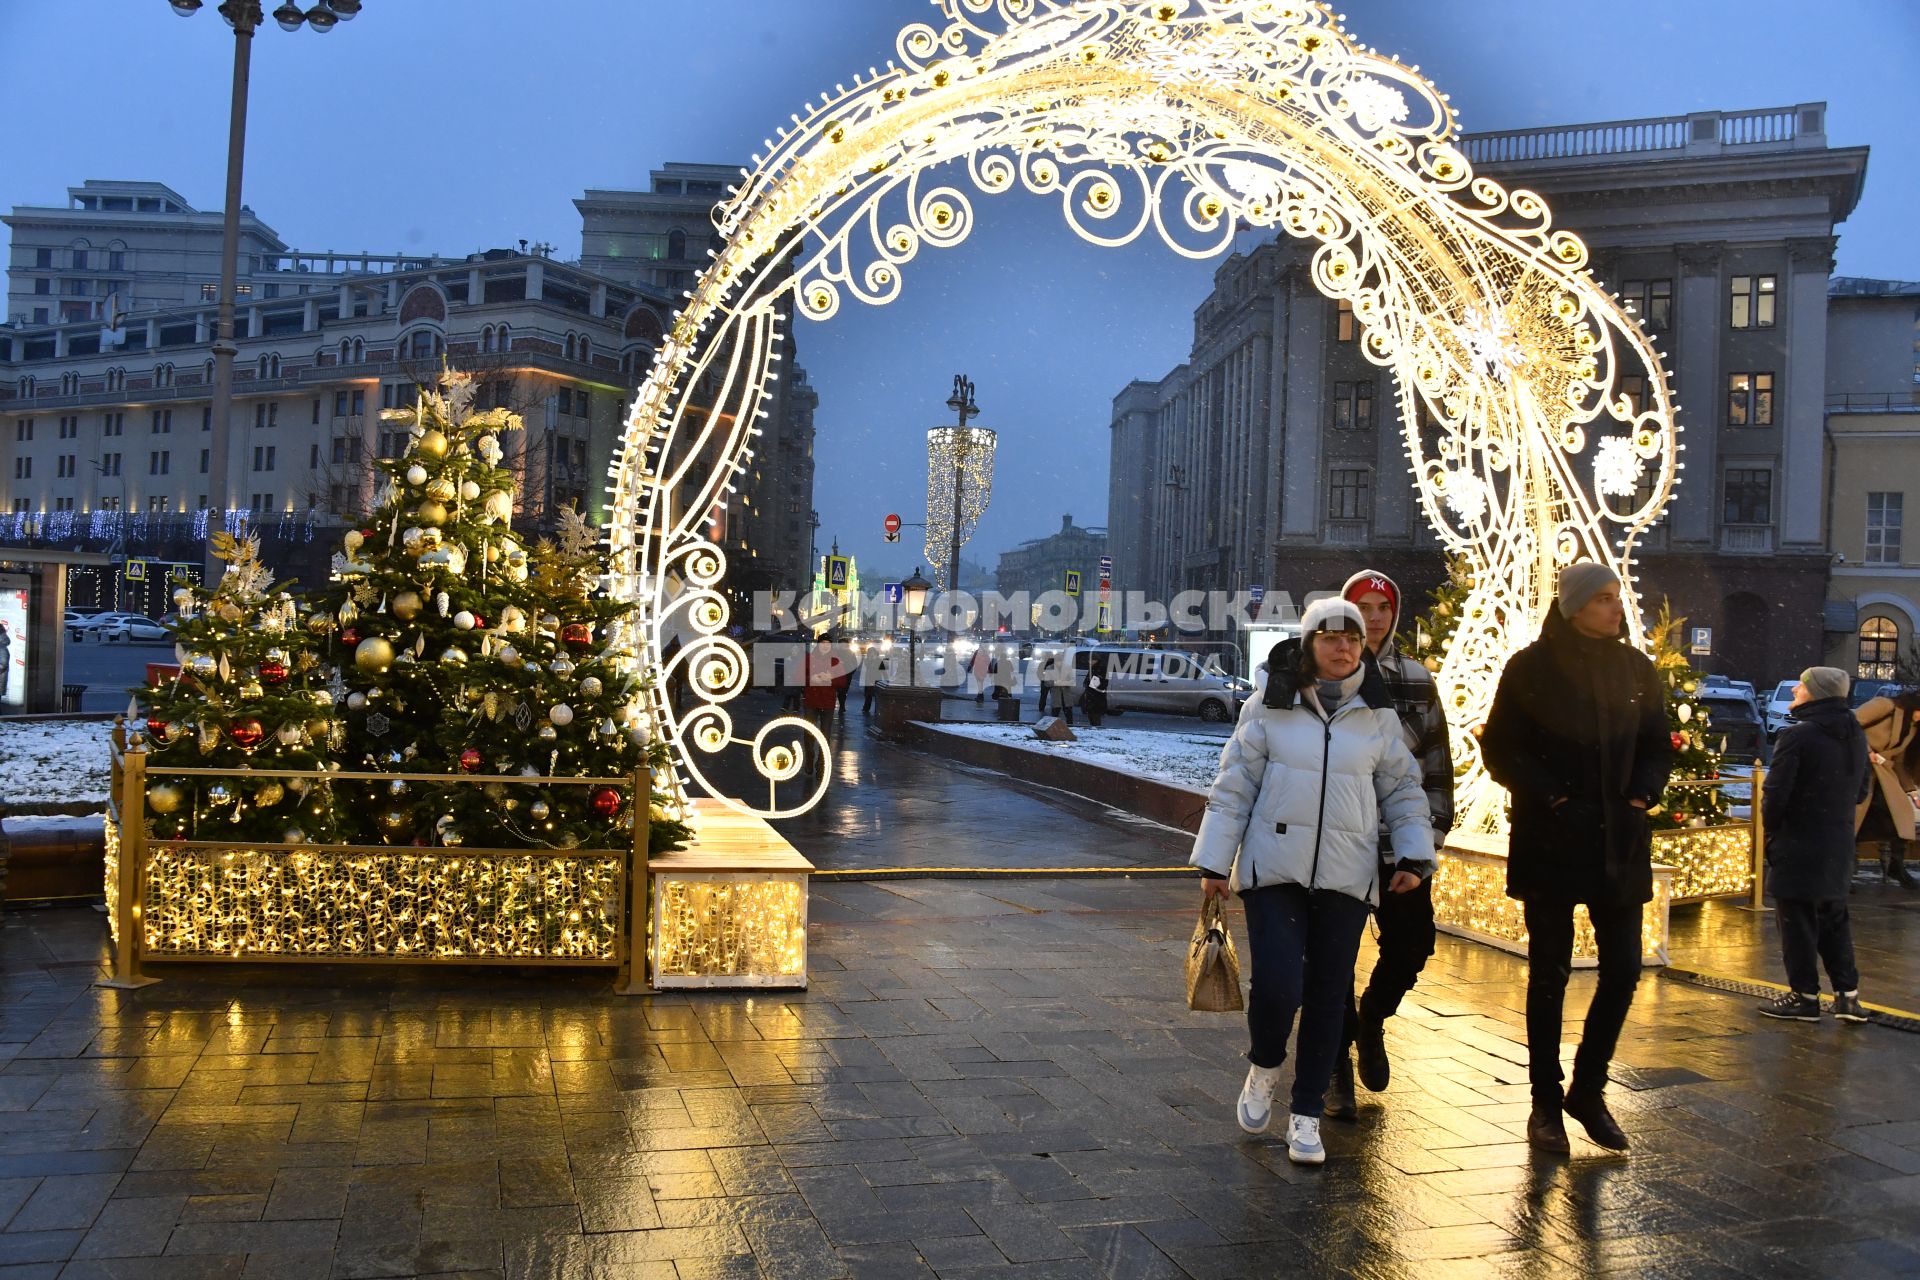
x=1301, y=945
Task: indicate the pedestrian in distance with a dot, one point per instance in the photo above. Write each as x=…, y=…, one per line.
x=1887, y=815
x=1818, y=778
x=873, y=669
x=1093, y=700
x=843, y=668
x=979, y=664
x=1578, y=734
x=1406, y=929
x=1293, y=825
x=819, y=670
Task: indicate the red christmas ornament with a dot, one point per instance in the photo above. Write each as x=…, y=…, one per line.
x=273, y=671
x=350, y=636
x=156, y=729
x=605, y=801
x=470, y=760
x=479, y=623
x=577, y=634
x=1678, y=742
x=247, y=733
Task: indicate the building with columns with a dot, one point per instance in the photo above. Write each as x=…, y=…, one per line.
x=1274, y=455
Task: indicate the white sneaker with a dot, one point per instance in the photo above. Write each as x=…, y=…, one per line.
x=1256, y=1098
x=1303, y=1140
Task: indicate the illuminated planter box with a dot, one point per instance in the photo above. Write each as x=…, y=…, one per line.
x=730, y=910
x=1707, y=862
x=214, y=901
x=1470, y=901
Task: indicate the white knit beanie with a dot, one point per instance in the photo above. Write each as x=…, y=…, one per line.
x=1332, y=614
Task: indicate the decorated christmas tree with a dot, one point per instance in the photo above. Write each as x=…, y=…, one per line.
x=1696, y=752
x=1432, y=630
x=251, y=695
x=462, y=651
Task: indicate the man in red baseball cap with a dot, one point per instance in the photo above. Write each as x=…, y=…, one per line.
x=1406, y=919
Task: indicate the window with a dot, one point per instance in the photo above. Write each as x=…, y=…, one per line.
x=113, y=424
x=339, y=448
x=69, y=466
x=110, y=504
x=23, y=468
x=338, y=497
x=21, y=506
x=339, y=404
x=316, y=413
x=266, y=415
x=263, y=457
x=159, y=463
x=43, y=257
x=23, y=429
x=313, y=457
x=359, y=350
x=569, y=351
x=503, y=334
x=1346, y=329
x=1883, y=527
x=1652, y=302
x=43, y=286
x=70, y=427
x=163, y=375
x=263, y=502
x=1753, y=302
x=399, y=395
x=63, y=504
x=116, y=260
x=79, y=259
x=1352, y=406
x=206, y=456
x=1633, y=389
x=162, y=422
x=1750, y=399
x=1347, y=494
x=486, y=338
x=1879, y=649
x=158, y=504
x=109, y=464
x=206, y=418
x=1749, y=496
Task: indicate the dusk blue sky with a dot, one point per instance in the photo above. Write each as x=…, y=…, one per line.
x=457, y=125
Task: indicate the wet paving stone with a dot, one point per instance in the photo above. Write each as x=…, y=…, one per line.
x=986, y=1079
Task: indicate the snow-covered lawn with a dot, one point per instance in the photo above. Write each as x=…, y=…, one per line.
x=54, y=762
x=1184, y=760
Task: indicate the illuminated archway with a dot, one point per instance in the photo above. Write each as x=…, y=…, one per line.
x=1189, y=119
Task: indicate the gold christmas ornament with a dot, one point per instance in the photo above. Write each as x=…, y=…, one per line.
x=431, y=512
x=269, y=794
x=406, y=605
x=442, y=489
x=164, y=797
x=432, y=444
x=374, y=654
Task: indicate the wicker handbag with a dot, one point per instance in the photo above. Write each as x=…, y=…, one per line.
x=1213, y=967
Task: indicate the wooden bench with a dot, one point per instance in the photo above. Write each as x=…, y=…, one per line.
x=730, y=910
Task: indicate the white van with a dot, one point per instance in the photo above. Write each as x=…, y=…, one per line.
x=1170, y=681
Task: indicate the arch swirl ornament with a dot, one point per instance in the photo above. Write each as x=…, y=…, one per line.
x=1539, y=425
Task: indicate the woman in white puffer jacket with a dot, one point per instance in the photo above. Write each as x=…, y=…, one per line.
x=1293, y=824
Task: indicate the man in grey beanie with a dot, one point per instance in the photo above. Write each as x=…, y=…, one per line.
x=1578, y=734
x=1819, y=775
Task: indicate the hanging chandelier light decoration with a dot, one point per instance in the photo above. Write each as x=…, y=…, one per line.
x=1189, y=119
x=959, y=487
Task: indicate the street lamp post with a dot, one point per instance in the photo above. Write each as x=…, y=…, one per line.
x=245, y=17
x=961, y=402
x=914, y=590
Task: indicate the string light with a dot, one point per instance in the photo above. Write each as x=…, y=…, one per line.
x=1707, y=862
x=1191, y=120
x=718, y=929
x=958, y=458
x=1470, y=900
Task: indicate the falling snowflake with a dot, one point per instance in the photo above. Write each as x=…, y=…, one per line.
x=1466, y=495
x=1490, y=341
x=1192, y=62
x=1617, y=467
x=1375, y=105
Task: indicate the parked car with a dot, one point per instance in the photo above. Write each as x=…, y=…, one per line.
x=1865, y=691
x=1778, y=705
x=129, y=627
x=1734, y=717
x=1727, y=682
x=90, y=626
x=1164, y=680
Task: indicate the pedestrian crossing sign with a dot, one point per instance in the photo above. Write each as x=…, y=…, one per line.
x=1073, y=582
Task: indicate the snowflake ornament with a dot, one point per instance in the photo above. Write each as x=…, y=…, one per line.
x=1466, y=495
x=1617, y=467
x=1204, y=62
x=1489, y=340
x=1375, y=105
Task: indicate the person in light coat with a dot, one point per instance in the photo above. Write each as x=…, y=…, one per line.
x=1292, y=824
x=1892, y=727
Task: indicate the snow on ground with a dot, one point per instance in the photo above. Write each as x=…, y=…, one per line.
x=1185, y=760
x=54, y=762
x=54, y=825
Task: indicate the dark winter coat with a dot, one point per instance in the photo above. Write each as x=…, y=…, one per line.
x=1819, y=774
x=1582, y=720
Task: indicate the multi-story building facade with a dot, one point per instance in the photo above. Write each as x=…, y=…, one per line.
x=108, y=441
x=1040, y=565
x=1873, y=467
x=662, y=238
x=1274, y=456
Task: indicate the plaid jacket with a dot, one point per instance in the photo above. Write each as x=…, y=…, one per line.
x=1424, y=722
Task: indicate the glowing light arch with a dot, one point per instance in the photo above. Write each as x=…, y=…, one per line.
x=1190, y=118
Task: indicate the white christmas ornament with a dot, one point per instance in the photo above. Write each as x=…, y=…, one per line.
x=416, y=474
x=463, y=620
x=561, y=714
x=469, y=490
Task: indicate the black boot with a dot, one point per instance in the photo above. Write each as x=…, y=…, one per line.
x=1371, y=1044
x=1896, y=865
x=1546, y=1131
x=1340, y=1104
x=1589, y=1107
